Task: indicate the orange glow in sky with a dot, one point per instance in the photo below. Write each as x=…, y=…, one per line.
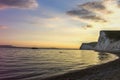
x=41, y=23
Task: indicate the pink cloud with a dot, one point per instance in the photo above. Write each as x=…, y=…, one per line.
x=22, y=4
x=3, y=27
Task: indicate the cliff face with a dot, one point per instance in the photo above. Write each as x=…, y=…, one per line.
x=88, y=46
x=108, y=41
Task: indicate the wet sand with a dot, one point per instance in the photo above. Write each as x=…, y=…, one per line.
x=107, y=71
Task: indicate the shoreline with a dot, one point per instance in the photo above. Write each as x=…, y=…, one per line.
x=106, y=71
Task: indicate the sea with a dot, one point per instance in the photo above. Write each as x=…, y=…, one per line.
x=37, y=64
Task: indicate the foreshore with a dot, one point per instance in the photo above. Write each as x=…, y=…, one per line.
x=107, y=71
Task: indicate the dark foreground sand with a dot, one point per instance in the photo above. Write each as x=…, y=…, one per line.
x=107, y=71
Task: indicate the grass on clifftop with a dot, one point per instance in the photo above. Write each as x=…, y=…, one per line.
x=113, y=35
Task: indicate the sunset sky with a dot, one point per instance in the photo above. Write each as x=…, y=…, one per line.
x=56, y=23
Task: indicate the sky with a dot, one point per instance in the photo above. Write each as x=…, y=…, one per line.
x=56, y=23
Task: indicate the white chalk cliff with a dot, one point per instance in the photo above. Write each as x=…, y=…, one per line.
x=88, y=46
x=108, y=41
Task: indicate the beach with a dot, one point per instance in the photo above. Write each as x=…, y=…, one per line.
x=59, y=40
x=107, y=71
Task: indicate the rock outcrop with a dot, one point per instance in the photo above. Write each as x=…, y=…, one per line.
x=108, y=41
x=88, y=46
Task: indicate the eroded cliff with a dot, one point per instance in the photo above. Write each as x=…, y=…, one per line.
x=108, y=41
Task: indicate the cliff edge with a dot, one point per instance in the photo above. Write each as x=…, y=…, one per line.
x=88, y=46
x=108, y=41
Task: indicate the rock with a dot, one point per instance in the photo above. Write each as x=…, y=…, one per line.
x=88, y=46
x=108, y=41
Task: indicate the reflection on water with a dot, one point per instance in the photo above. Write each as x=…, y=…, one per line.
x=28, y=64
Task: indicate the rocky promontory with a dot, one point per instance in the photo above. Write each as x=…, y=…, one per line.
x=108, y=41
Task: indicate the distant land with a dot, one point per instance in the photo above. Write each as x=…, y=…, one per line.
x=11, y=46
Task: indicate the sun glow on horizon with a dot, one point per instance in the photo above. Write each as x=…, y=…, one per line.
x=43, y=24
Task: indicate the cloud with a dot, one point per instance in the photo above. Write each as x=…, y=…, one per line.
x=88, y=26
x=99, y=14
x=93, y=5
x=22, y=4
x=96, y=7
x=85, y=14
x=3, y=27
x=88, y=11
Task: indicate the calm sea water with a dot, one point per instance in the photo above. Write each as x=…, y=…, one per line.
x=29, y=64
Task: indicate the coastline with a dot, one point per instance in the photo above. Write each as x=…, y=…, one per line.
x=107, y=71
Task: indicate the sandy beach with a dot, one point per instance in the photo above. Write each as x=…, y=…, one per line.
x=107, y=71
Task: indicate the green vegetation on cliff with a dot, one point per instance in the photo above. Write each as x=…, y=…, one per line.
x=113, y=34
